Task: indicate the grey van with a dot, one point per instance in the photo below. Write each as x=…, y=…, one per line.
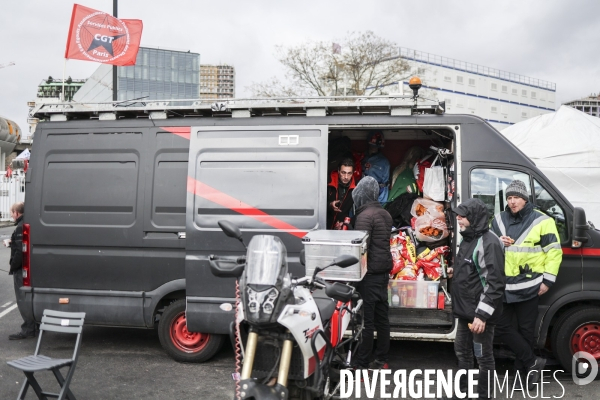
x=123, y=202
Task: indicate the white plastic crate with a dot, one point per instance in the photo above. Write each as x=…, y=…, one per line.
x=413, y=294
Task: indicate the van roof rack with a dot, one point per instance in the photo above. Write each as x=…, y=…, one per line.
x=236, y=108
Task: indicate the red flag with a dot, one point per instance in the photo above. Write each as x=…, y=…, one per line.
x=100, y=37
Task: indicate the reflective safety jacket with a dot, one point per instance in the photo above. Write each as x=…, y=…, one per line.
x=535, y=256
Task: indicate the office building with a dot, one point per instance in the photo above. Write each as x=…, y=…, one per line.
x=217, y=81
x=589, y=105
x=159, y=74
x=502, y=98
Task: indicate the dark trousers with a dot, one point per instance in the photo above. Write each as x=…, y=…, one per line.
x=374, y=292
x=29, y=326
x=520, y=339
x=467, y=344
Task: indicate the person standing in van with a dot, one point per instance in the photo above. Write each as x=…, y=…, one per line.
x=339, y=194
x=28, y=327
x=477, y=289
x=533, y=256
x=376, y=165
x=373, y=288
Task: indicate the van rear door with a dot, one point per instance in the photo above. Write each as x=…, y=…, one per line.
x=267, y=180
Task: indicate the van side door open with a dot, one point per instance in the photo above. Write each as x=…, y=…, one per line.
x=266, y=180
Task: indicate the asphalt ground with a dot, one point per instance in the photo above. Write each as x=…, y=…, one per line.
x=119, y=363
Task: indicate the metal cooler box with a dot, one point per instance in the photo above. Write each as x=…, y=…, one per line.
x=323, y=246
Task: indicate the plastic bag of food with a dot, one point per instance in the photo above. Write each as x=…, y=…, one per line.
x=423, y=206
x=433, y=254
x=397, y=261
x=429, y=229
x=408, y=273
x=397, y=241
x=432, y=269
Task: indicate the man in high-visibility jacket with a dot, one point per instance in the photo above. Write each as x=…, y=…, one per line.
x=532, y=258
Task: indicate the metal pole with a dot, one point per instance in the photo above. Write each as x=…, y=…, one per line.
x=63, y=82
x=114, y=72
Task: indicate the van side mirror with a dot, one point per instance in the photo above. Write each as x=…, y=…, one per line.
x=580, y=227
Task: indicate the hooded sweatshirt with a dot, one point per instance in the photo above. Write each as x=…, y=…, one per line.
x=377, y=222
x=478, y=282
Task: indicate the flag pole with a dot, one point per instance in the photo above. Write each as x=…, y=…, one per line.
x=114, y=71
x=63, y=82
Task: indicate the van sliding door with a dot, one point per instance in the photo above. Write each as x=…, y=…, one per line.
x=265, y=179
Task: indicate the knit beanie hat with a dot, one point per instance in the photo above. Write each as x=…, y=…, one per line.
x=517, y=188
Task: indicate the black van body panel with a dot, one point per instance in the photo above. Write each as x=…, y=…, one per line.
x=253, y=177
x=102, y=307
x=591, y=271
x=114, y=247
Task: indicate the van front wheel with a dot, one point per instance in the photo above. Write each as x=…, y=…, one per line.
x=181, y=344
x=579, y=330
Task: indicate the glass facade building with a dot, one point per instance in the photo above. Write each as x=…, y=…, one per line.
x=160, y=74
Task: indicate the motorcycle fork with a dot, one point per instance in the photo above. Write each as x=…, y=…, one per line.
x=284, y=364
x=249, y=356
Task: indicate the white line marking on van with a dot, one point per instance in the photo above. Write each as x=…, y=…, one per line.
x=9, y=309
x=4, y=305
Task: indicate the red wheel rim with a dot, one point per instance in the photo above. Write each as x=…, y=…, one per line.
x=587, y=338
x=184, y=340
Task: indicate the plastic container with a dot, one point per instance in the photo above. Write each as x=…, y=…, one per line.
x=413, y=294
x=323, y=246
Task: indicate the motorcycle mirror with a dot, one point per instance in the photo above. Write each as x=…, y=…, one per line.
x=302, y=257
x=345, y=260
x=231, y=230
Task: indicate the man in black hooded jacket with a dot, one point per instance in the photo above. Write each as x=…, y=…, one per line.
x=477, y=289
x=377, y=222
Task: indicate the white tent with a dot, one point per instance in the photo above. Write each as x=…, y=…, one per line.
x=565, y=146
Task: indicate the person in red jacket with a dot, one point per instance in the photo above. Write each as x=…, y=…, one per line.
x=339, y=194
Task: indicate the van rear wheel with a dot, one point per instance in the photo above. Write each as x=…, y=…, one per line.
x=181, y=344
x=578, y=330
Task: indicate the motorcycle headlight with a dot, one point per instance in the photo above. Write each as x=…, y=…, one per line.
x=260, y=305
x=269, y=303
x=252, y=301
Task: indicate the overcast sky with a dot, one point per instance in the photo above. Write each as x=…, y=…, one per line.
x=550, y=40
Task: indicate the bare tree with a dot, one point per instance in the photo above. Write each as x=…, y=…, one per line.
x=361, y=64
x=275, y=88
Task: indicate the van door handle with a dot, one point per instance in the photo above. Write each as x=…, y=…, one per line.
x=164, y=235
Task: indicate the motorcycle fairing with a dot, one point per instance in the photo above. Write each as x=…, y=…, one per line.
x=298, y=319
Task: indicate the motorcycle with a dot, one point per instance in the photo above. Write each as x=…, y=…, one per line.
x=290, y=332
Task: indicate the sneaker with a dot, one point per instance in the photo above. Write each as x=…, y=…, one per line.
x=20, y=335
x=378, y=365
x=534, y=372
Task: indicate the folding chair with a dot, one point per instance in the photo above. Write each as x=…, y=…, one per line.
x=53, y=321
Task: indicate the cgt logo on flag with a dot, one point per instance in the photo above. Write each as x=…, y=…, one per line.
x=100, y=37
